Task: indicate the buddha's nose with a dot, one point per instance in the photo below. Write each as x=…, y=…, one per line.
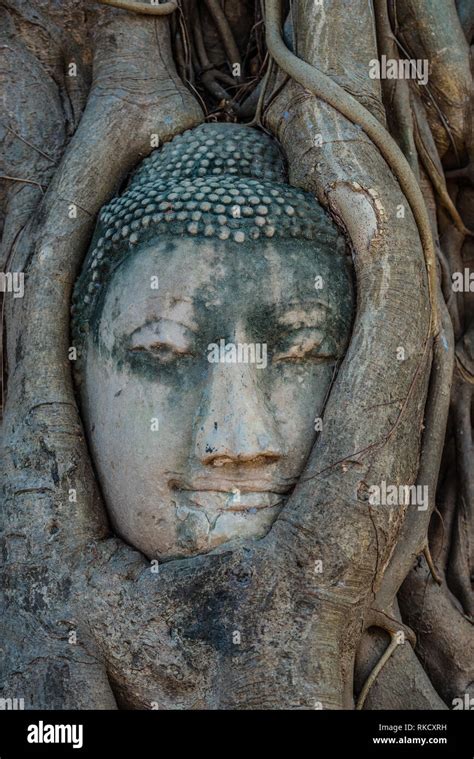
x=236, y=426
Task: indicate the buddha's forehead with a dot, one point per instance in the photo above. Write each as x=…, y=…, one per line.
x=191, y=281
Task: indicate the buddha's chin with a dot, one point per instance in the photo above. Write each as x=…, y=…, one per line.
x=196, y=537
x=196, y=522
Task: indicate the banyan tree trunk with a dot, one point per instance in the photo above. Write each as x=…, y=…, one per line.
x=89, y=91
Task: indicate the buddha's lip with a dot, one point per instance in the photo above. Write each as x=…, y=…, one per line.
x=232, y=500
x=208, y=486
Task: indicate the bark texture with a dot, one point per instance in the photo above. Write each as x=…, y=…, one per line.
x=90, y=90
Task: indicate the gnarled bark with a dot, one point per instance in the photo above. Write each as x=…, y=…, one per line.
x=144, y=638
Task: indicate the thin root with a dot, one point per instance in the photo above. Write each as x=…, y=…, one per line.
x=376, y=670
x=145, y=8
x=429, y=560
x=378, y=618
x=225, y=32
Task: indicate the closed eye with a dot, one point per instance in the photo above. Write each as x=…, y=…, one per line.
x=307, y=346
x=161, y=350
x=164, y=340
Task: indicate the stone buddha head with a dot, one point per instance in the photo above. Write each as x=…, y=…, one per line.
x=210, y=316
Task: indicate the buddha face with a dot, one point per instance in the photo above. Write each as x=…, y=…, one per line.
x=209, y=365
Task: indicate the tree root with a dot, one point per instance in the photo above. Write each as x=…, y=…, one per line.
x=257, y=119
x=445, y=643
x=375, y=672
x=412, y=540
x=438, y=181
x=421, y=33
x=328, y=90
x=467, y=172
x=461, y=559
x=228, y=41
x=381, y=619
x=402, y=683
x=137, y=7
x=23, y=180
x=143, y=593
x=396, y=93
x=429, y=560
x=207, y=72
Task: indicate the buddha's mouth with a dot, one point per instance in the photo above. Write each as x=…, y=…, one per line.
x=237, y=499
x=233, y=501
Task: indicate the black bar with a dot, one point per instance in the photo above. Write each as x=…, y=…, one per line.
x=317, y=733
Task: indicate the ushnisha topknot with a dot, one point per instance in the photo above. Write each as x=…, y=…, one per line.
x=222, y=181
